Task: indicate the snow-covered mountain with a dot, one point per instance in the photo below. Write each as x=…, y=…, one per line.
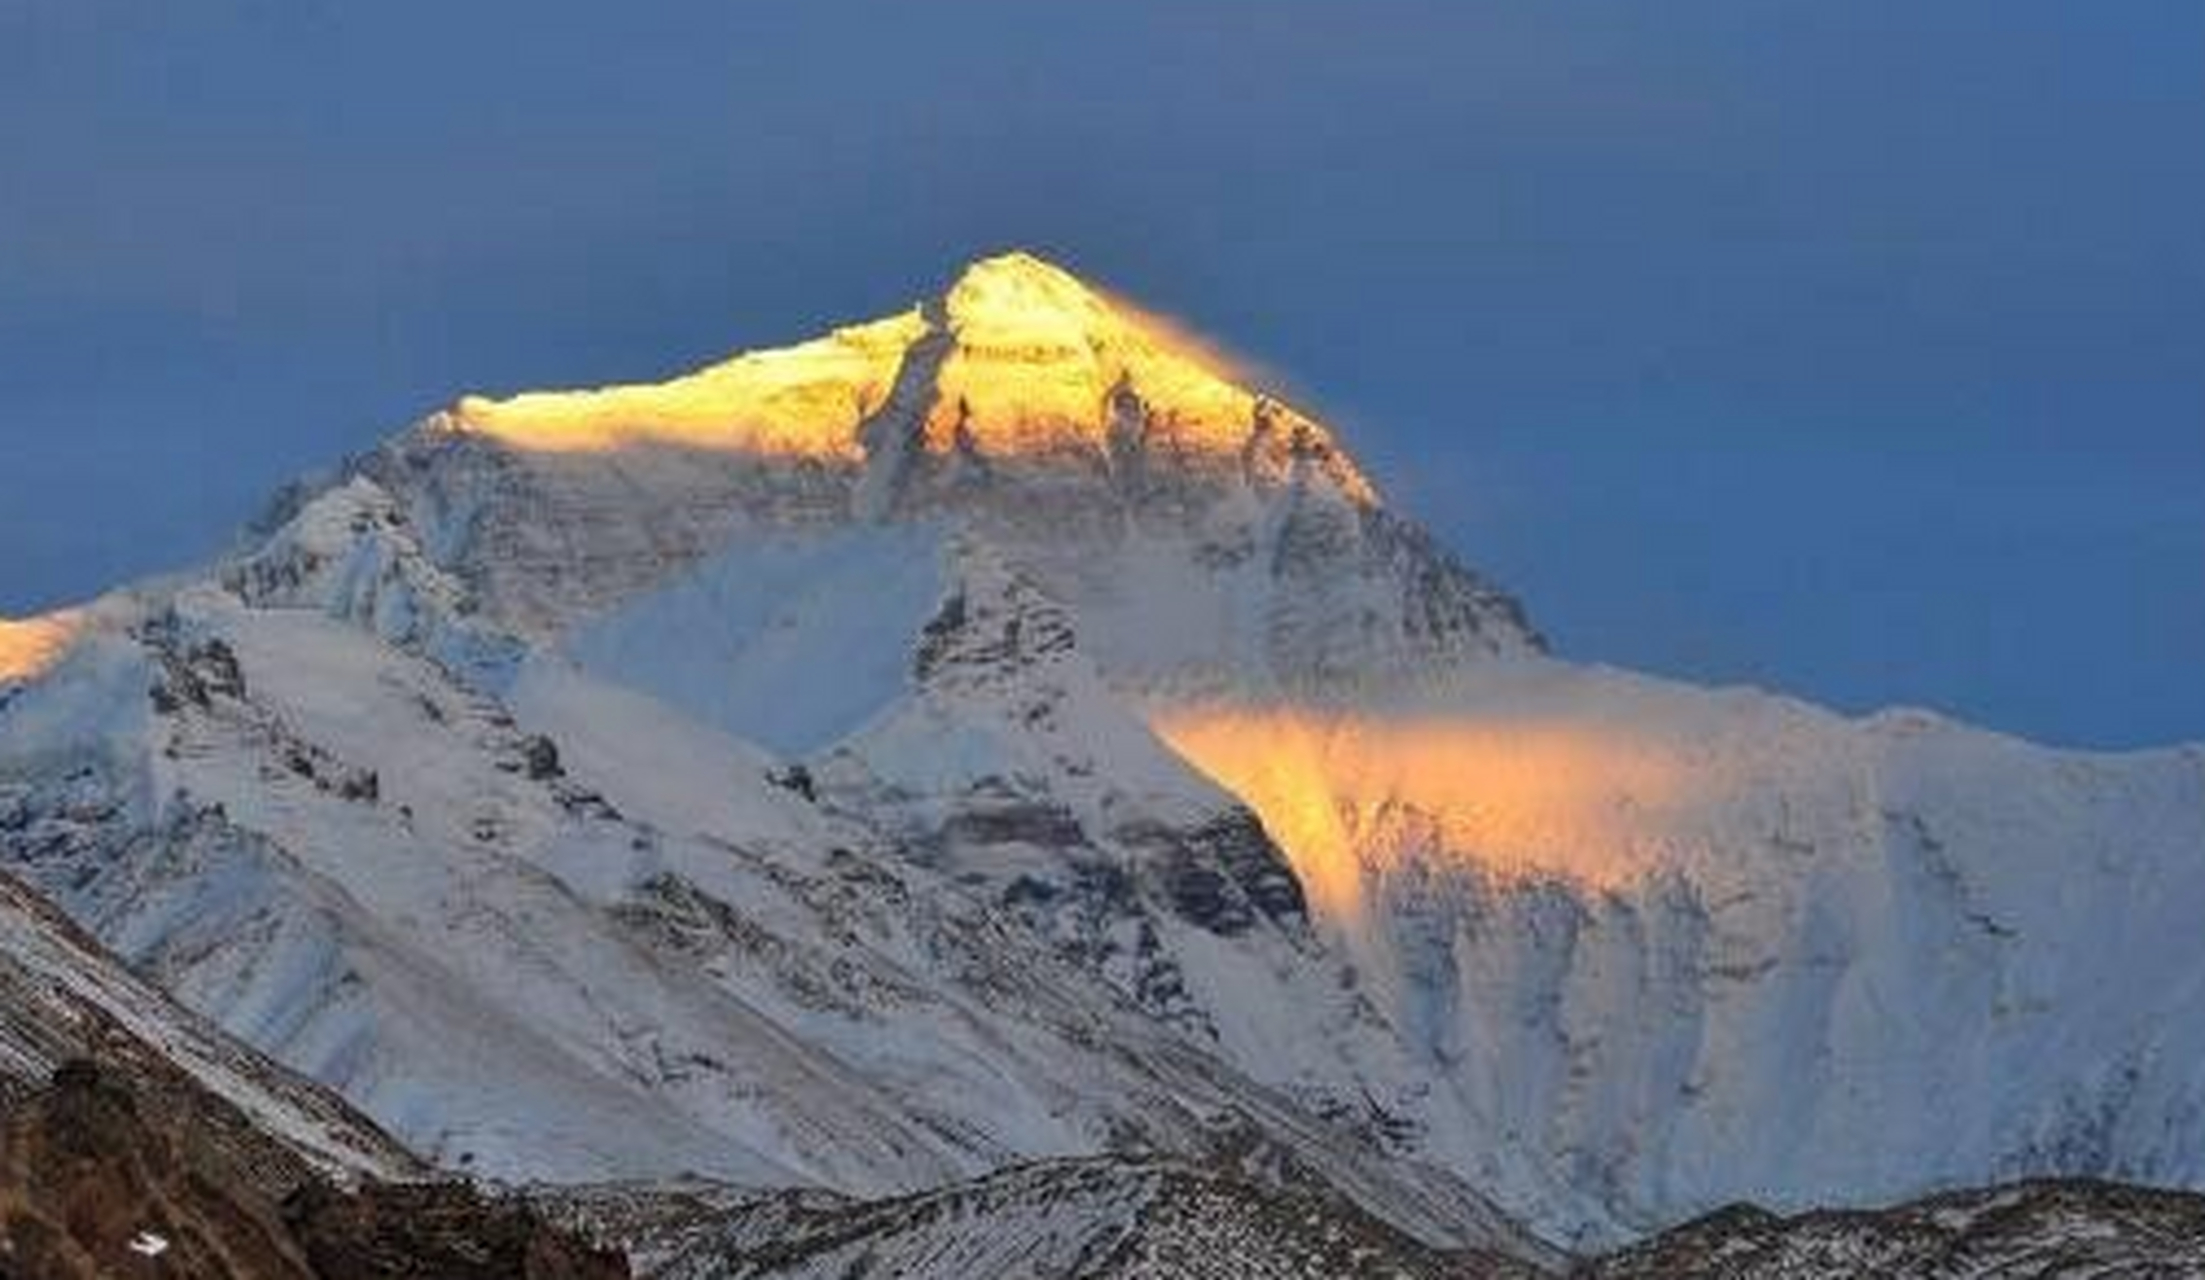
x=995, y=733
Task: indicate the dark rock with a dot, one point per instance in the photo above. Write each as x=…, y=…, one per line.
x=1245, y=851
x=217, y=666
x=1046, y=826
x=938, y=634
x=445, y=1230
x=1203, y=896
x=540, y=757
x=795, y=778
x=98, y=1179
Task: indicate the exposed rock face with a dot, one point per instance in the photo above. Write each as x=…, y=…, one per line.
x=1056, y=800
x=446, y=1230
x=91, y=1185
x=95, y=1183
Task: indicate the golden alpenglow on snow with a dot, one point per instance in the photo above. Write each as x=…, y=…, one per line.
x=1032, y=362
x=31, y=645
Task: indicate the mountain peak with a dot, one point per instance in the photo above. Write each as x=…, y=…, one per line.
x=1019, y=360
x=1020, y=301
x=1016, y=295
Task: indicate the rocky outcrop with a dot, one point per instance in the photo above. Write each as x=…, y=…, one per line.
x=91, y=1185
x=95, y=1181
x=447, y=1230
x=1107, y=1219
x=2041, y=1229
x=64, y=998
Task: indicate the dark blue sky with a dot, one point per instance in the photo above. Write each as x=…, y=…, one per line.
x=1853, y=348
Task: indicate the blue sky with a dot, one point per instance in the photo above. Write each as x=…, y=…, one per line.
x=1857, y=349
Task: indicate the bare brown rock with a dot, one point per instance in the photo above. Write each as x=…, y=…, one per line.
x=97, y=1182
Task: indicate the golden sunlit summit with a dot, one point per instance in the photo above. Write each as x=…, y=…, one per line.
x=1033, y=361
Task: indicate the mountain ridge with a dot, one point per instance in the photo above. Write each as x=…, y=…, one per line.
x=1025, y=359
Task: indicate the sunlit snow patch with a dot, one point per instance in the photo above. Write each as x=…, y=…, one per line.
x=147, y=1244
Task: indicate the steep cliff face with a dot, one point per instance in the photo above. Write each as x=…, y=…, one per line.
x=996, y=733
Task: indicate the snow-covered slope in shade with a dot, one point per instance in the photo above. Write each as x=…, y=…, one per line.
x=565, y=933
x=789, y=642
x=1622, y=947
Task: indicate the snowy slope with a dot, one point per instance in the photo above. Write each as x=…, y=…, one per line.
x=788, y=642
x=1697, y=947
x=540, y=957
x=993, y=733
x=63, y=998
